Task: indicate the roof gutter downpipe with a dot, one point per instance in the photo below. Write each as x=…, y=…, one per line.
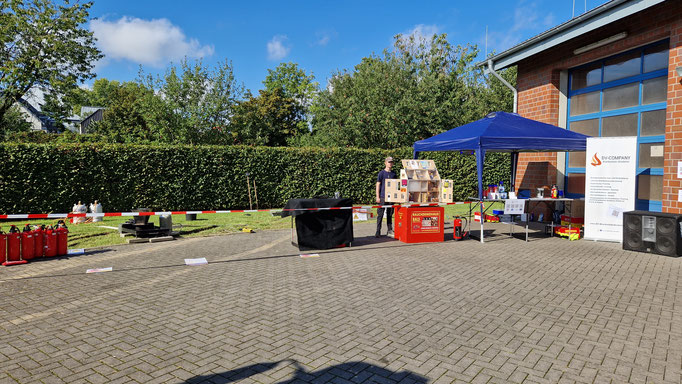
x=515, y=155
x=516, y=94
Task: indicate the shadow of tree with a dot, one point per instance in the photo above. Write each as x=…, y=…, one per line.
x=81, y=237
x=196, y=230
x=353, y=371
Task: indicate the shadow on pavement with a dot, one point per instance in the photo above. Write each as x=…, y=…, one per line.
x=532, y=236
x=487, y=233
x=501, y=231
x=67, y=257
x=378, y=244
x=369, y=240
x=353, y=371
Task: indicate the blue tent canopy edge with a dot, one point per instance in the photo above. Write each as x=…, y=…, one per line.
x=503, y=132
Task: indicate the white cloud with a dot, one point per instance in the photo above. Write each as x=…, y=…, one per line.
x=154, y=42
x=422, y=32
x=526, y=21
x=324, y=40
x=276, y=48
x=323, y=37
x=527, y=17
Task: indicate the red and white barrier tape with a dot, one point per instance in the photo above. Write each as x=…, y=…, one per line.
x=62, y=215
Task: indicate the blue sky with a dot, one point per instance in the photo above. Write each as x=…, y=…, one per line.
x=321, y=36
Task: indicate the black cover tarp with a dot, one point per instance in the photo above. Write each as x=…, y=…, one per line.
x=321, y=229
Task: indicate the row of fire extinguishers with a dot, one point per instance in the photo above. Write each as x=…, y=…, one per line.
x=18, y=247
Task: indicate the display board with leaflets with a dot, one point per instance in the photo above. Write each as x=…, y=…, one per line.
x=514, y=207
x=610, y=180
x=419, y=183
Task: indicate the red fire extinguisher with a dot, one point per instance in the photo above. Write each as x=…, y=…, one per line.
x=459, y=224
x=50, y=242
x=3, y=245
x=62, y=238
x=13, y=247
x=38, y=241
x=27, y=243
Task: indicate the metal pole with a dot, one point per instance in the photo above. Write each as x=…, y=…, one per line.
x=248, y=187
x=255, y=192
x=480, y=158
x=482, y=220
x=506, y=83
x=514, y=164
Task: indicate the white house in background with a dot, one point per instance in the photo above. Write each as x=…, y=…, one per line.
x=38, y=121
x=41, y=122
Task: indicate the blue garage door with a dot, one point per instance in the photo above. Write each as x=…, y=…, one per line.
x=623, y=95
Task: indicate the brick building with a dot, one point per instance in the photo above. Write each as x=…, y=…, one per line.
x=613, y=71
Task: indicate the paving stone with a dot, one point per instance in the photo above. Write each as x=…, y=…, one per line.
x=545, y=311
x=137, y=240
x=160, y=239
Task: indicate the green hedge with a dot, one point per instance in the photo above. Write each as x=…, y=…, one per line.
x=38, y=178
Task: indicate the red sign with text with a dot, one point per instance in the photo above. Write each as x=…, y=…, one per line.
x=419, y=224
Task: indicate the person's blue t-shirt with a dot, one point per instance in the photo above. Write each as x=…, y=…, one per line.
x=383, y=175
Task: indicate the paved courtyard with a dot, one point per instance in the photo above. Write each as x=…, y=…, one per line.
x=545, y=311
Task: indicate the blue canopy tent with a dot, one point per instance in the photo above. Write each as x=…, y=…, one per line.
x=503, y=132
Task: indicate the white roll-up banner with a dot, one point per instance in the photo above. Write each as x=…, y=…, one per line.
x=610, y=179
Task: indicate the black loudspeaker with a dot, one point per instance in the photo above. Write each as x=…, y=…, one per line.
x=653, y=232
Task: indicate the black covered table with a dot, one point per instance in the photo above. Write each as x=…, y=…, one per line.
x=321, y=229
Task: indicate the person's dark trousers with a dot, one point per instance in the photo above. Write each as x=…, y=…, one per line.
x=380, y=217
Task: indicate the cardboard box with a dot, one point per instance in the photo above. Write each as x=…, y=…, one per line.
x=446, y=191
x=422, y=182
x=393, y=192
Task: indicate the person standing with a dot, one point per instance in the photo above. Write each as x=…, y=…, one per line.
x=384, y=174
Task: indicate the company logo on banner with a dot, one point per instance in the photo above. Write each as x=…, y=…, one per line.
x=609, y=186
x=595, y=160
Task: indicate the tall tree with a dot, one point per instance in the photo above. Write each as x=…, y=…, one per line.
x=270, y=119
x=294, y=81
x=99, y=95
x=420, y=88
x=194, y=103
x=123, y=120
x=43, y=45
x=57, y=108
x=295, y=84
x=13, y=120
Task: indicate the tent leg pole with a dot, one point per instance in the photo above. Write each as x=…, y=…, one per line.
x=514, y=165
x=482, y=220
x=480, y=158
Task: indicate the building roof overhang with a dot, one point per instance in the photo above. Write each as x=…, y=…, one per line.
x=603, y=15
